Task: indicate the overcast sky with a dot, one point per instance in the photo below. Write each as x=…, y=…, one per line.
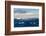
x=25, y=10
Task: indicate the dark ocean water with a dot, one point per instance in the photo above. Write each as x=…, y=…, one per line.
x=34, y=22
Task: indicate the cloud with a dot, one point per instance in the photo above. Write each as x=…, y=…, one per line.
x=25, y=10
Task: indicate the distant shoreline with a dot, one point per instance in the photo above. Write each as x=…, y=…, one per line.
x=26, y=15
